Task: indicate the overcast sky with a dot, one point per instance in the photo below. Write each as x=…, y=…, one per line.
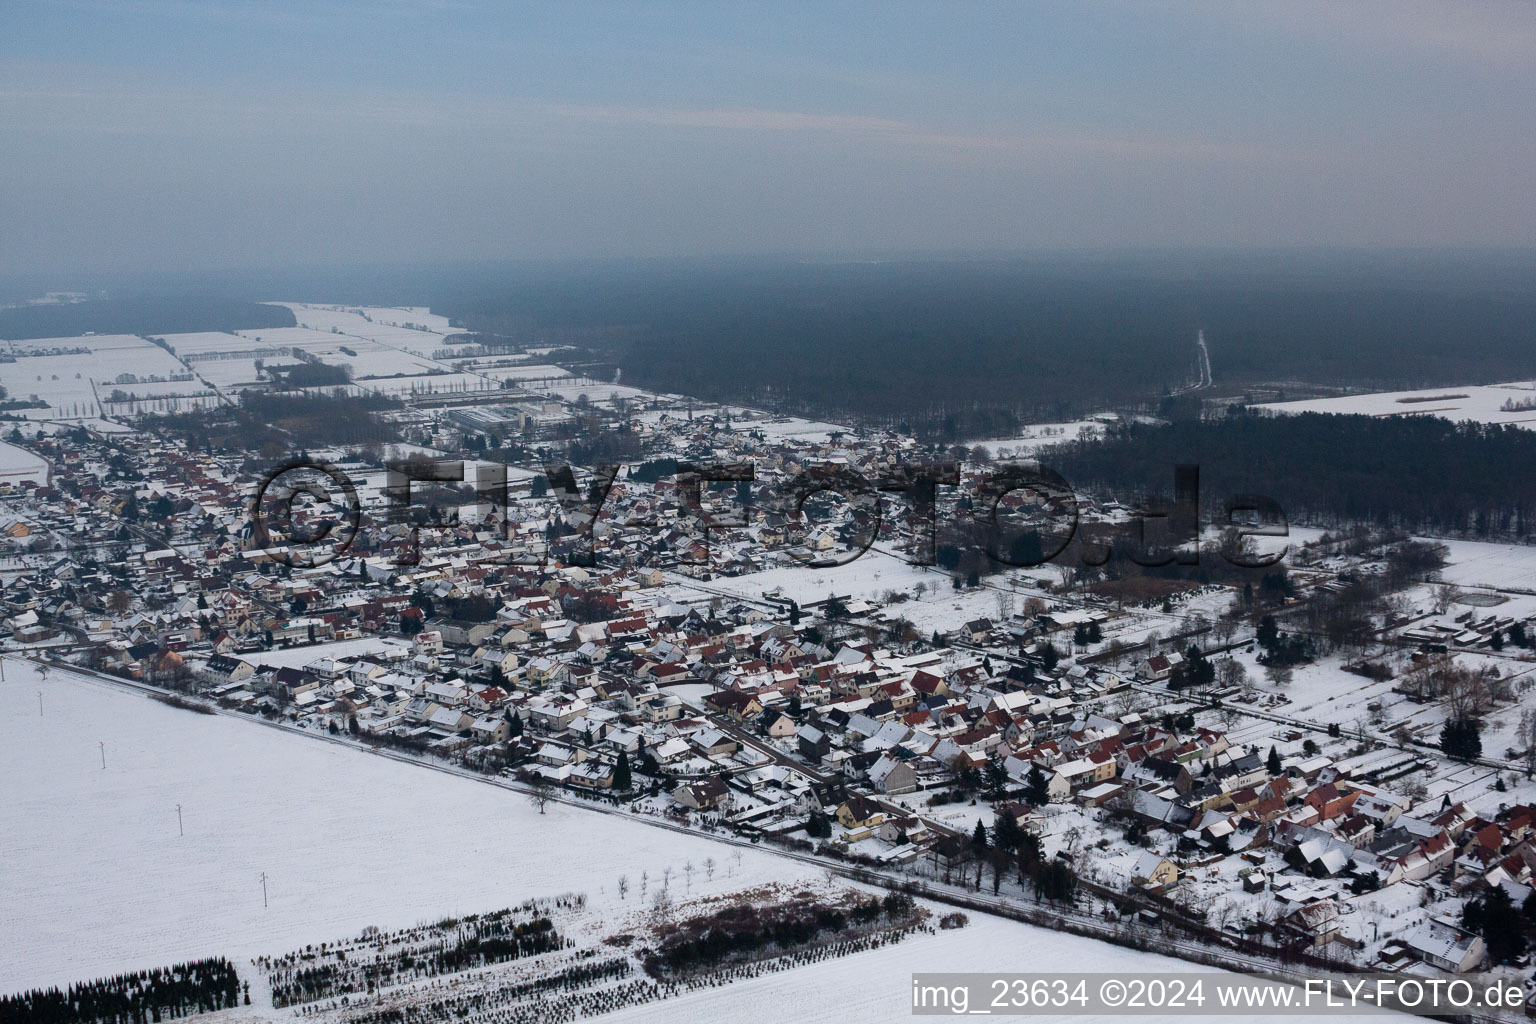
x=162, y=134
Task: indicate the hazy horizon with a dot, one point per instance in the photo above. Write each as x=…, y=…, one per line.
x=158, y=135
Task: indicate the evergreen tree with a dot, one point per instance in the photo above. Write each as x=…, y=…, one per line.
x=1500, y=924
x=1036, y=788
x=1006, y=832
x=621, y=779
x=1029, y=853
x=1273, y=764
x=996, y=777
x=1459, y=739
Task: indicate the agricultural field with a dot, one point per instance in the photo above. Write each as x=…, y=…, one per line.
x=1481, y=403
x=413, y=329
x=74, y=376
x=17, y=464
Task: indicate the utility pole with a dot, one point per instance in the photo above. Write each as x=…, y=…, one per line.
x=263, y=888
x=103, y=747
x=179, y=829
x=39, y=703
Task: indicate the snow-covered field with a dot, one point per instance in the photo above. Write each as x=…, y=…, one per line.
x=18, y=464
x=414, y=329
x=785, y=428
x=426, y=384
x=521, y=371
x=89, y=368
x=867, y=577
x=875, y=987
x=1037, y=436
x=1472, y=563
x=596, y=391
x=96, y=879
x=1481, y=403
x=298, y=657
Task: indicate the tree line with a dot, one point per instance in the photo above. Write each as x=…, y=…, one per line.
x=143, y=997
x=1415, y=473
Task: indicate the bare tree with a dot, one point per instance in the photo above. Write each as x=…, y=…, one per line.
x=623, y=886
x=1444, y=595
x=1230, y=715
x=661, y=907
x=1466, y=692
x=709, y=868
x=539, y=792
x=1527, y=735
x=1231, y=672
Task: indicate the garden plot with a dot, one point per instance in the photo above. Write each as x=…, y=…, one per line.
x=566, y=958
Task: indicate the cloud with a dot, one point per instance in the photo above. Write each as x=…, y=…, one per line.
x=85, y=105
x=1496, y=34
